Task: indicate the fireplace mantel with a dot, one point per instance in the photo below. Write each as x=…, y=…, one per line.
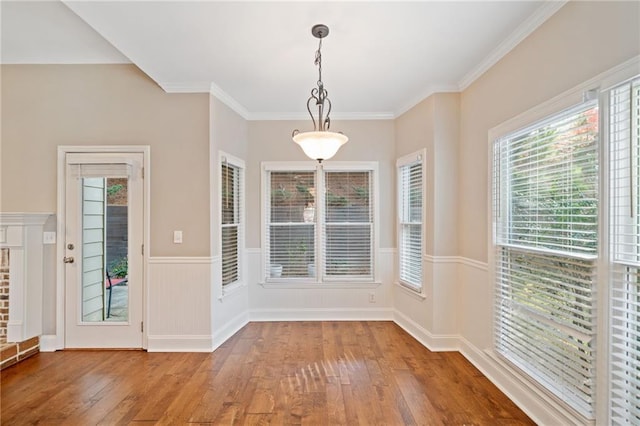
x=22, y=234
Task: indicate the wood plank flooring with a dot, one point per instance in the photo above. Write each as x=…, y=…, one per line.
x=299, y=373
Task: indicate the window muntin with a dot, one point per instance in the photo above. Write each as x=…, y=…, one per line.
x=624, y=153
x=319, y=223
x=410, y=220
x=546, y=242
x=231, y=205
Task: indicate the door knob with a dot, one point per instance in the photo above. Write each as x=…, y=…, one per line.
x=68, y=259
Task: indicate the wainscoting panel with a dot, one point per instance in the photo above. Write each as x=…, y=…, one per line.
x=435, y=343
x=340, y=301
x=475, y=299
x=431, y=318
x=179, y=308
x=229, y=306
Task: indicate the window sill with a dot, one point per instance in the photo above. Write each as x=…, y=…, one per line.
x=411, y=292
x=324, y=285
x=231, y=289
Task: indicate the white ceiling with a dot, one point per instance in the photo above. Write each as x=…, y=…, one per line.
x=379, y=59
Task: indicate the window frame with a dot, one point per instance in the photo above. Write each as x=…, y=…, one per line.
x=597, y=86
x=319, y=169
x=238, y=164
x=526, y=259
x=417, y=157
x=623, y=266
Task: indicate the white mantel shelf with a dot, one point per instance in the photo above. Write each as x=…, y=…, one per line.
x=22, y=219
x=22, y=234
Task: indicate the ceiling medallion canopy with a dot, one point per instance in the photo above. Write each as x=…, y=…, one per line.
x=320, y=144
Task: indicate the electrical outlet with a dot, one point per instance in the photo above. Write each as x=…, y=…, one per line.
x=177, y=237
x=372, y=298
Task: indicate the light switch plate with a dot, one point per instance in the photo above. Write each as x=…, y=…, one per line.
x=177, y=237
x=48, y=238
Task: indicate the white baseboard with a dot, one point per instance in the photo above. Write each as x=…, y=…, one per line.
x=539, y=407
x=180, y=343
x=48, y=343
x=347, y=314
x=229, y=329
x=435, y=343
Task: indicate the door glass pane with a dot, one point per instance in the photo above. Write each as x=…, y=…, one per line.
x=105, y=291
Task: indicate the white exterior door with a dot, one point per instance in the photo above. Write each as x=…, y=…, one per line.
x=103, y=263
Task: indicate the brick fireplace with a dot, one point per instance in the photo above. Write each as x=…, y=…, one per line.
x=21, y=285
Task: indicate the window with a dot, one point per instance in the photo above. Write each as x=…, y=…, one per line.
x=319, y=222
x=231, y=213
x=410, y=217
x=348, y=225
x=545, y=213
x=291, y=230
x=624, y=141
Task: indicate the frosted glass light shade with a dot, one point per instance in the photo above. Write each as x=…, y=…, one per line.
x=320, y=145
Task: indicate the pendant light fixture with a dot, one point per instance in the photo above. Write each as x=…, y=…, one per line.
x=320, y=144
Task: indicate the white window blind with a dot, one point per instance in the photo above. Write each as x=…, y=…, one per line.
x=545, y=210
x=231, y=205
x=319, y=222
x=624, y=139
x=410, y=217
x=291, y=225
x=348, y=225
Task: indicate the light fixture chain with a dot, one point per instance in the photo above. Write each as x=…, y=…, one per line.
x=318, y=62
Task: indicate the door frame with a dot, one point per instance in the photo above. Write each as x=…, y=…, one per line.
x=63, y=150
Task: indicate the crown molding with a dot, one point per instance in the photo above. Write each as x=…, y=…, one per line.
x=453, y=88
x=229, y=101
x=300, y=116
x=544, y=12
x=188, y=87
x=206, y=87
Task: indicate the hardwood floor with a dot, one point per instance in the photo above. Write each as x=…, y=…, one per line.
x=308, y=373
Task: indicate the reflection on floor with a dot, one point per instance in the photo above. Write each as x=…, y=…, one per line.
x=119, y=303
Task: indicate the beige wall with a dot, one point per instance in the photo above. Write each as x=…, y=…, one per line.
x=446, y=147
x=228, y=134
x=44, y=106
x=580, y=41
x=414, y=132
x=371, y=140
x=434, y=125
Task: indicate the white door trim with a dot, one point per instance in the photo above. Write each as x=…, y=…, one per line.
x=63, y=150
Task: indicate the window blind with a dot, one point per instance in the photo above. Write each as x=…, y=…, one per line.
x=410, y=222
x=624, y=141
x=319, y=222
x=545, y=209
x=348, y=225
x=291, y=224
x=231, y=220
